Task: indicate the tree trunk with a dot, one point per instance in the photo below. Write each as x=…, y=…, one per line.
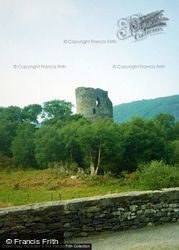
x=92, y=169
x=99, y=160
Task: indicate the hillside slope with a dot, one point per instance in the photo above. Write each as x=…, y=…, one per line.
x=147, y=108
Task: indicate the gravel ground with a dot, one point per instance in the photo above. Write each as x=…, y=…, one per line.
x=164, y=237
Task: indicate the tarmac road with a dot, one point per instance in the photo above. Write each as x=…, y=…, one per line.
x=163, y=237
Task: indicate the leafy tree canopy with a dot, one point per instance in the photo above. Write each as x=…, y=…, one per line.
x=31, y=112
x=57, y=109
x=23, y=145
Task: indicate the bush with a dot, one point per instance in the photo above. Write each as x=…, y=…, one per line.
x=65, y=169
x=129, y=178
x=157, y=175
x=7, y=163
x=97, y=179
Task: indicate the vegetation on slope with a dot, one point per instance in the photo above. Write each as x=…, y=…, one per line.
x=147, y=109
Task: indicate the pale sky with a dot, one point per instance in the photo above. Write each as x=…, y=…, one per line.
x=32, y=32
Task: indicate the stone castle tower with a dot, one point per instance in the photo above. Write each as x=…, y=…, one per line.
x=93, y=103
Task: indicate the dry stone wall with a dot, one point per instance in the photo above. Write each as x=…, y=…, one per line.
x=86, y=216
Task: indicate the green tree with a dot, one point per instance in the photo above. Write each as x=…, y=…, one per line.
x=7, y=133
x=48, y=146
x=23, y=145
x=176, y=151
x=167, y=121
x=11, y=114
x=100, y=145
x=31, y=112
x=10, y=117
x=57, y=109
x=143, y=141
x=70, y=135
x=176, y=131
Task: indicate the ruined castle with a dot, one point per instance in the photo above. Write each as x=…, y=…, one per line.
x=93, y=103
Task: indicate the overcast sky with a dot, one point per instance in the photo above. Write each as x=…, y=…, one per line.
x=41, y=32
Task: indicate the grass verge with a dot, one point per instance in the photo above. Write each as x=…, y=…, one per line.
x=34, y=186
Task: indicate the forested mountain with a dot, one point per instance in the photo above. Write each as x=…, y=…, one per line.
x=147, y=108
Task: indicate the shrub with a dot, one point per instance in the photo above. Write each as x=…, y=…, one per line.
x=7, y=163
x=129, y=178
x=65, y=169
x=157, y=175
